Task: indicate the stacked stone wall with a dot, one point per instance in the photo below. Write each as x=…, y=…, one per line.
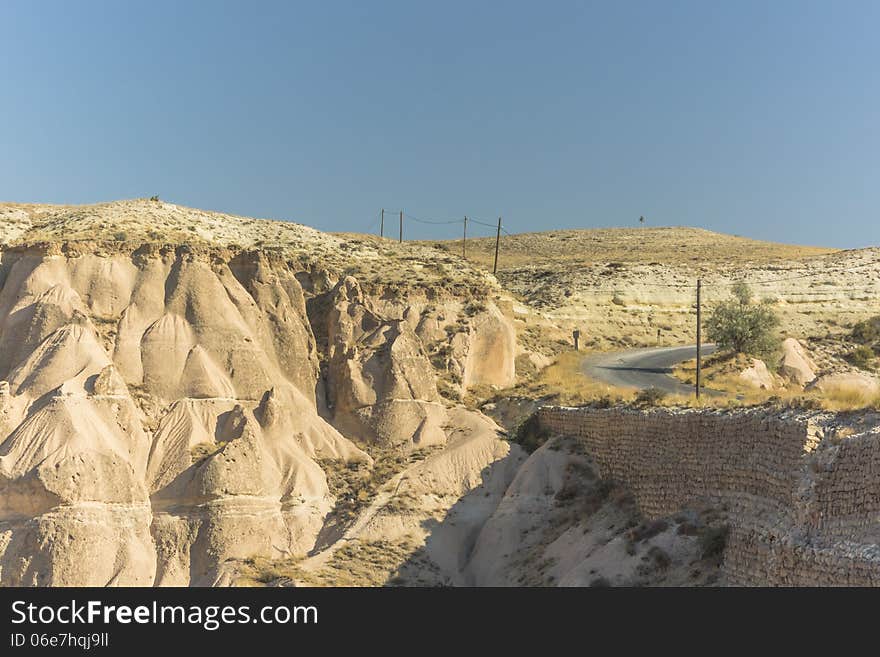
x=804, y=509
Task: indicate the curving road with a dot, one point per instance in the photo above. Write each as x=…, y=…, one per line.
x=644, y=368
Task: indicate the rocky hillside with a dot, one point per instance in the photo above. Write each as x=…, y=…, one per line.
x=182, y=392
x=384, y=265
x=623, y=286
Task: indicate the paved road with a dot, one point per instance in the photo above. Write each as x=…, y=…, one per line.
x=643, y=368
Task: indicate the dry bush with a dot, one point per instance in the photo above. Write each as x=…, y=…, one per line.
x=713, y=540
x=648, y=529
x=650, y=397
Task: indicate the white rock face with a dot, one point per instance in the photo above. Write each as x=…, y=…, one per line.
x=381, y=385
x=159, y=411
x=90, y=496
x=491, y=351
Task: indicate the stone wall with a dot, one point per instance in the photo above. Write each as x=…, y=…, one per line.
x=804, y=508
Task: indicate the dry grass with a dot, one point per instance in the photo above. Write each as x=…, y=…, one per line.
x=721, y=373
x=355, y=484
x=260, y=571
x=564, y=381
x=377, y=263
x=203, y=451
x=669, y=245
x=356, y=563
x=847, y=398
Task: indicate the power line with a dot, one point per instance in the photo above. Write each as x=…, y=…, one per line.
x=781, y=279
x=433, y=221
x=482, y=223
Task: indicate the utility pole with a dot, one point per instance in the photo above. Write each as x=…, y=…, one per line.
x=699, y=335
x=464, y=241
x=382, y=223
x=400, y=239
x=497, y=239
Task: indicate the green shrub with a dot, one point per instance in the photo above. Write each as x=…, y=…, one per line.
x=713, y=541
x=742, y=326
x=530, y=435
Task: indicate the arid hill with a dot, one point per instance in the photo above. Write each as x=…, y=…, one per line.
x=377, y=263
x=628, y=287
x=670, y=245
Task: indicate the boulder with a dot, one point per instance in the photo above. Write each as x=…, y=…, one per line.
x=758, y=376
x=796, y=364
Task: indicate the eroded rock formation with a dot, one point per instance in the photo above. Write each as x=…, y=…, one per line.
x=159, y=408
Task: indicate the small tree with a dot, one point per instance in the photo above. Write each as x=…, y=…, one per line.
x=744, y=326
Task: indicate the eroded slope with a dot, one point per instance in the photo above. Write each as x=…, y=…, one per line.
x=168, y=410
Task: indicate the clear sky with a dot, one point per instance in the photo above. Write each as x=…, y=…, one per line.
x=759, y=119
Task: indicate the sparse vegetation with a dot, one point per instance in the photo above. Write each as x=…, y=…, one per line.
x=473, y=308
x=866, y=335
x=355, y=483
x=618, y=247
x=529, y=434
x=658, y=558
x=202, y=451
x=650, y=397
x=867, y=332
x=357, y=563
x=648, y=529
x=564, y=382
x=862, y=357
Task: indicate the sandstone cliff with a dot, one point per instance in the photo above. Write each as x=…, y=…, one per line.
x=166, y=409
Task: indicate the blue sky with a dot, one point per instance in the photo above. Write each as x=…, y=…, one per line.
x=752, y=118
